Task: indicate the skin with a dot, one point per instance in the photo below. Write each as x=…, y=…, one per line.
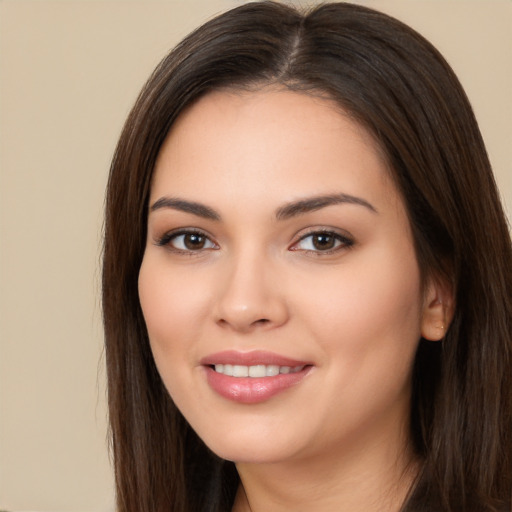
x=337, y=440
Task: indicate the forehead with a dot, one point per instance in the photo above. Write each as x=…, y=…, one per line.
x=260, y=142
x=272, y=107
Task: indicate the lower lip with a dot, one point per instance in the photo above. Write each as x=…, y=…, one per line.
x=252, y=390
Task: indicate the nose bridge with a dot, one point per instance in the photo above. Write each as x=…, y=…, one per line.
x=250, y=296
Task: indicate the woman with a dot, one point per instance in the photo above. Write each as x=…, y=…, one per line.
x=307, y=276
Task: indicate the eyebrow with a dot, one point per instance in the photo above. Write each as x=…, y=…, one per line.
x=285, y=212
x=312, y=204
x=182, y=205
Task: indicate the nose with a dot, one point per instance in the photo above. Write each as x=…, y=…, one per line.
x=250, y=296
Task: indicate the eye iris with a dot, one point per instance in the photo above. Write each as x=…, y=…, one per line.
x=323, y=242
x=194, y=241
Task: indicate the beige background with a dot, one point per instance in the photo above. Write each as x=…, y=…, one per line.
x=70, y=71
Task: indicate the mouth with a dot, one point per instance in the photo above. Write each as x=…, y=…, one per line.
x=255, y=371
x=252, y=377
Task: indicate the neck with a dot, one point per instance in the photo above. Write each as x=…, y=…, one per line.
x=374, y=478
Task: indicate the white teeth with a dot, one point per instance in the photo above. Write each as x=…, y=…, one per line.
x=240, y=371
x=272, y=370
x=259, y=370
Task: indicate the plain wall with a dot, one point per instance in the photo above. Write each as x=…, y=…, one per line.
x=70, y=71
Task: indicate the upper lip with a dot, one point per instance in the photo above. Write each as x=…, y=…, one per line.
x=252, y=358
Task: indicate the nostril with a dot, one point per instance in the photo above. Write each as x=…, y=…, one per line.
x=244, y=326
x=261, y=321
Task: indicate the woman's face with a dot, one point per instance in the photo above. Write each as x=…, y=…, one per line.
x=279, y=250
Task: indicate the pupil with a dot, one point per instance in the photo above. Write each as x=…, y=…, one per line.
x=193, y=241
x=323, y=242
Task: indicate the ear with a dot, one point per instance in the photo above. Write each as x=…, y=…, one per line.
x=438, y=308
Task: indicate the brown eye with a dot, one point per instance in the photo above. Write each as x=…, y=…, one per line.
x=323, y=241
x=193, y=241
x=187, y=241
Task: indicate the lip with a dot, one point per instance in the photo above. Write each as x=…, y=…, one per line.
x=252, y=390
x=251, y=358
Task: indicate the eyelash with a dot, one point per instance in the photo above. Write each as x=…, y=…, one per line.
x=168, y=238
x=340, y=241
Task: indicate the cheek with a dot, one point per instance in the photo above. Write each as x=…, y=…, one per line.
x=173, y=308
x=368, y=328
x=376, y=305
x=369, y=313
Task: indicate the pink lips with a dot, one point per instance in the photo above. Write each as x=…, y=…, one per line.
x=252, y=390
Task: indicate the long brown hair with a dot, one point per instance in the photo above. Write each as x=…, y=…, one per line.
x=396, y=85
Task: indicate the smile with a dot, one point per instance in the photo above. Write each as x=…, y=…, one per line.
x=255, y=371
x=252, y=377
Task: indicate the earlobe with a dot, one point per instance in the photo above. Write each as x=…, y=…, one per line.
x=437, y=310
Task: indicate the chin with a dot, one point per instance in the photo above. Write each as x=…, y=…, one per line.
x=251, y=455
x=249, y=448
